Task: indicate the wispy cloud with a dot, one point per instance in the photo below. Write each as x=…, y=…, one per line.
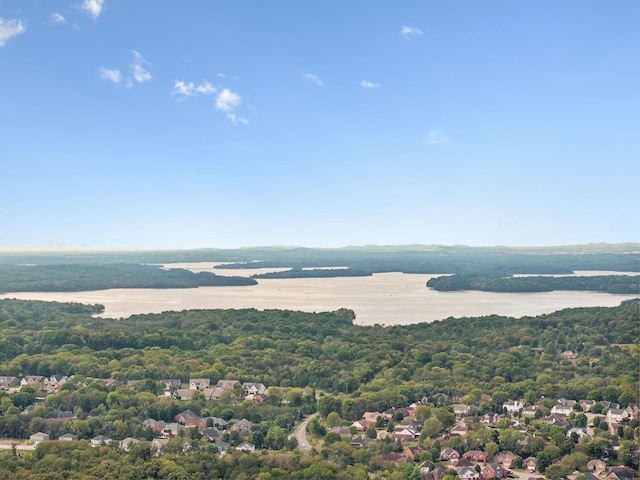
x=112, y=75
x=365, y=84
x=92, y=7
x=184, y=89
x=436, y=137
x=410, y=32
x=310, y=77
x=138, y=68
x=10, y=28
x=227, y=101
x=58, y=18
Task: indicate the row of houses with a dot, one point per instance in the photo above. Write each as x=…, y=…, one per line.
x=50, y=384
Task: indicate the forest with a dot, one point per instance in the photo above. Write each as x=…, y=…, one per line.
x=476, y=267
x=75, y=277
x=620, y=284
x=311, y=362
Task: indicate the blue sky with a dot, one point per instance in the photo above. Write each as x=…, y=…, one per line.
x=147, y=124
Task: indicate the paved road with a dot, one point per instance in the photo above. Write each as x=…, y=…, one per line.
x=301, y=435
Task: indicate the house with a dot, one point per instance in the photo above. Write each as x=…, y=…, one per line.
x=211, y=434
x=243, y=427
x=342, y=431
x=56, y=381
x=227, y=384
x=513, y=406
x=596, y=466
x=32, y=380
x=505, y=458
x=190, y=420
x=411, y=452
x=493, y=470
x=199, y=383
x=463, y=463
x=468, y=473
x=437, y=473
x=632, y=409
x=213, y=393
x=64, y=414
x=254, y=388
x=127, y=443
x=246, y=447
x=359, y=441
x=217, y=422
x=9, y=382
x=158, y=444
x=184, y=394
x=171, y=384
x=586, y=405
x=476, y=456
x=563, y=407
x=111, y=382
x=404, y=434
x=460, y=429
x=529, y=411
x=223, y=447
x=171, y=430
x=554, y=420
x=579, y=431
x=362, y=425
x=68, y=437
x=36, y=438
x=568, y=355
x=461, y=410
x=100, y=441
x=530, y=463
x=426, y=467
x=394, y=457
x=450, y=455
x=155, y=425
x=372, y=416
x=620, y=473
x=616, y=415
x=491, y=418
x=258, y=399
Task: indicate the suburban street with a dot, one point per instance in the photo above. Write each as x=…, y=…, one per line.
x=301, y=435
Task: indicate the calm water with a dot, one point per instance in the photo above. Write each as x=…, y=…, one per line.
x=385, y=298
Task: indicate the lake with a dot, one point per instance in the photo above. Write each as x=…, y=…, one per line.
x=384, y=298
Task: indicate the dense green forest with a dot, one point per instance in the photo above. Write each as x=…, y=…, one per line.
x=73, y=278
x=310, y=362
x=621, y=284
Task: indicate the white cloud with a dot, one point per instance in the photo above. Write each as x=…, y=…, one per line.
x=58, y=18
x=112, y=75
x=92, y=7
x=140, y=73
x=237, y=120
x=227, y=101
x=10, y=28
x=313, y=78
x=436, y=137
x=206, y=88
x=365, y=84
x=410, y=32
x=183, y=89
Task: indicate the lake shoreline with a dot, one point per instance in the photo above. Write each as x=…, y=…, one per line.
x=383, y=298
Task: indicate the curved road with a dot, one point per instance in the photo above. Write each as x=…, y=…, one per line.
x=301, y=435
